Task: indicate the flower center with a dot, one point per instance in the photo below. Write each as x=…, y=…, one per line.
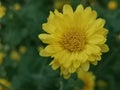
x=73, y=40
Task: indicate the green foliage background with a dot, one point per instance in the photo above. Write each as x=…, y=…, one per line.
x=32, y=72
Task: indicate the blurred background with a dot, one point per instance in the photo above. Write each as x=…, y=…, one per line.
x=21, y=66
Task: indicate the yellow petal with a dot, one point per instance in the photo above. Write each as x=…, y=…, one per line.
x=50, y=50
x=84, y=18
x=104, y=48
x=90, y=20
x=91, y=58
x=67, y=9
x=86, y=12
x=65, y=71
x=76, y=63
x=49, y=39
x=55, y=65
x=66, y=76
x=82, y=57
x=58, y=13
x=62, y=57
x=100, y=22
x=95, y=62
x=102, y=31
x=79, y=10
x=97, y=39
x=45, y=38
x=51, y=16
x=71, y=69
x=66, y=60
x=49, y=28
x=98, y=58
x=92, y=49
x=85, y=66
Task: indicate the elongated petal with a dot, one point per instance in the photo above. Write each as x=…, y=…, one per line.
x=51, y=16
x=97, y=39
x=55, y=65
x=79, y=10
x=50, y=50
x=67, y=9
x=85, y=66
x=49, y=28
x=104, y=48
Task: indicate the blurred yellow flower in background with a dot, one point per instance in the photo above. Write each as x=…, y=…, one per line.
x=101, y=84
x=88, y=79
x=58, y=4
x=2, y=55
x=92, y=2
x=118, y=37
x=16, y=7
x=2, y=11
x=75, y=39
x=22, y=49
x=112, y=5
x=15, y=55
x=4, y=83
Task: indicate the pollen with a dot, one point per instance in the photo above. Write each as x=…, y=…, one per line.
x=73, y=40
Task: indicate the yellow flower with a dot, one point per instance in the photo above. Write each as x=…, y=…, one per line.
x=112, y=5
x=75, y=39
x=4, y=82
x=22, y=49
x=15, y=55
x=16, y=6
x=88, y=79
x=2, y=55
x=2, y=11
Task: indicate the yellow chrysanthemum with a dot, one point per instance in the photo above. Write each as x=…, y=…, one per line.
x=75, y=39
x=2, y=11
x=88, y=79
x=112, y=5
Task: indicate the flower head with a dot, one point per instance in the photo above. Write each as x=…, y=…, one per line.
x=75, y=39
x=15, y=55
x=112, y=5
x=16, y=6
x=22, y=49
x=4, y=82
x=88, y=79
x=2, y=11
